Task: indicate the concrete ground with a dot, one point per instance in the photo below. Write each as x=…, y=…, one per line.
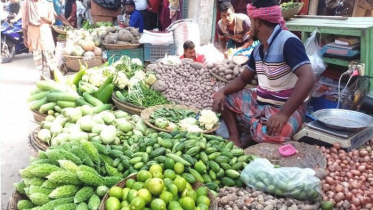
x=17, y=79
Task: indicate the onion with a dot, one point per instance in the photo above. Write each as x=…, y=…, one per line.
x=349, y=196
x=355, y=152
x=330, y=194
x=355, y=201
x=356, y=172
x=355, y=185
x=325, y=187
x=329, y=180
x=337, y=145
x=363, y=153
x=333, y=150
x=366, y=159
x=339, y=188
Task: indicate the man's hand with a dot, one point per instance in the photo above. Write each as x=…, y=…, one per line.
x=275, y=124
x=25, y=38
x=172, y=13
x=219, y=100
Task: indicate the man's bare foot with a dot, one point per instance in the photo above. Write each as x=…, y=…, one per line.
x=247, y=143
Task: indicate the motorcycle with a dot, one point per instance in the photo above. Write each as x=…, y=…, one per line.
x=11, y=40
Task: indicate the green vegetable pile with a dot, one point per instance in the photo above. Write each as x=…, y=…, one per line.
x=289, y=5
x=142, y=96
x=171, y=114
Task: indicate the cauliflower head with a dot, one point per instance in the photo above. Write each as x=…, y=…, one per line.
x=136, y=61
x=208, y=119
x=150, y=79
x=121, y=81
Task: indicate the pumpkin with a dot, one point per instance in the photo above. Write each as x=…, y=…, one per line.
x=88, y=45
x=97, y=51
x=78, y=51
x=98, y=42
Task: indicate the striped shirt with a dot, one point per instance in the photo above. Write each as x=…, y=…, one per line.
x=275, y=68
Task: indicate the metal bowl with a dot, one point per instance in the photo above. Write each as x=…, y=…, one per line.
x=343, y=119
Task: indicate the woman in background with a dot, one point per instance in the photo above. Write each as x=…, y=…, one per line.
x=171, y=11
x=70, y=12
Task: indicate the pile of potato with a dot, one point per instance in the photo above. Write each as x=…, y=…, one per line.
x=186, y=83
x=124, y=36
x=233, y=198
x=228, y=70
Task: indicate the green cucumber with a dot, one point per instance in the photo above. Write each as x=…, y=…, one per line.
x=92, y=100
x=65, y=104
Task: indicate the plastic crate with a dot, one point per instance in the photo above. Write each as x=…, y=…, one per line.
x=185, y=9
x=114, y=55
x=155, y=52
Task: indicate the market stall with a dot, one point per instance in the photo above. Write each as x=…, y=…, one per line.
x=132, y=128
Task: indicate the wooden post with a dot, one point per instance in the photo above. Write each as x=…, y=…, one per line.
x=312, y=9
x=355, y=9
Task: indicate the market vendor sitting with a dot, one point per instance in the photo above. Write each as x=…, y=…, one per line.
x=190, y=52
x=234, y=27
x=275, y=110
x=135, y=19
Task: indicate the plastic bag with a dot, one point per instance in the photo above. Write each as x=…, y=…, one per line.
x=291, y=182
x=109, y=4
x=313, y=52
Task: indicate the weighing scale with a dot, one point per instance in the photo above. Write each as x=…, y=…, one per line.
x=317, y=133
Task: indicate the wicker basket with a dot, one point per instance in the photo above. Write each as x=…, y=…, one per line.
x=36, y=143
x=127, y=107
x=72, y=62
x=121, y=46
x=122, y=184
x=145, y=115
x=59, y=30
x=12, y=204
x=61, y=39
x=39, y=117
x=287, y=14
x=248, y=86
x=308, y=157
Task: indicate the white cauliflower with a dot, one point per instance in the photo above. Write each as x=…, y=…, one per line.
x=139, y=75
x=136, y=61
x=96, y=79
x=150, y=79
x=208, y=119
x=121, y=81
x=133, y=81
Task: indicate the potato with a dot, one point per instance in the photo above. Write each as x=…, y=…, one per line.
x=228, y=71
x=242, y=69
x=222, y=69
x=236, y=72
x=231, y=66
x=221, y=74
x=228, y=77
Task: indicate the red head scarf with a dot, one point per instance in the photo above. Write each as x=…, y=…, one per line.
x=271, y=14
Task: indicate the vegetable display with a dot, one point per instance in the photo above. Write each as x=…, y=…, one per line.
x=123, y=36
x=247, y=198
x=289, y=181
x=349, y=184
x=229, y=70
x=187, y=83
x=158, y=188
x=289, y=5
x=182, y=119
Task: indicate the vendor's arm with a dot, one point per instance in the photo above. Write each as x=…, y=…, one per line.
x=235, y=85
x=246, y=25
x=296, y=57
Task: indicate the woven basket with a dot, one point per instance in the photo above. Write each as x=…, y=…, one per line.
x=36, y=143
x=287, y=14
x=72, y=62
x=308, y=157
x=39, y=117
x=59, y=30
x=248, y=86
x=121, y=46
x=145, y=115
x=12, y=204
x=213, y=204
x=61, y=39
x=127, y=107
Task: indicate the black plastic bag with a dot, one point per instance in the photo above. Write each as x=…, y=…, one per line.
x=109, y=4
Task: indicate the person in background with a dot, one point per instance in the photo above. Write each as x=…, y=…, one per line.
x=240, y=6
x=153, y=8
x=37, y=17
x=14, y=8
x=234, y=27
x=190, y=52
x=142, y=7
x=70, y=12
x=80, y=11
x=275, y=110
x=136, y=19
x=58, y=14
x=171, y=11
x=87, y=5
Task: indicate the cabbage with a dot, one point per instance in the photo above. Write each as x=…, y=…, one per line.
x=189, y=120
